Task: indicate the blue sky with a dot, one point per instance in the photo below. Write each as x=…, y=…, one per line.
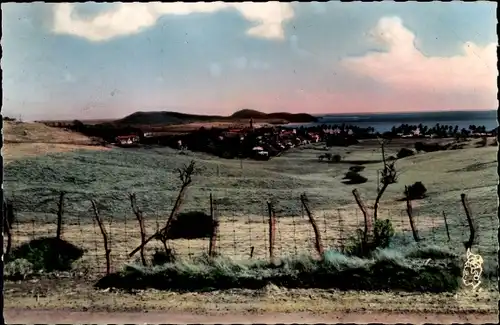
x=66, y=61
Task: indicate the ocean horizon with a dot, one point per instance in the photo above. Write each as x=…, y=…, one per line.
x=383, y=122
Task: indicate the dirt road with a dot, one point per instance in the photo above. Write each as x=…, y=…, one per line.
x=19, y=316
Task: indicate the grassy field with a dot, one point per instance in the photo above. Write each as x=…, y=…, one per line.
x=240, y=190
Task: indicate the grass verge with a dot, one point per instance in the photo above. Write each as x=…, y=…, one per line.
x=385, y=270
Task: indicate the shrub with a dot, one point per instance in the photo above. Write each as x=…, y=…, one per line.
x=48, y=254
x=18, y=269
x=382, y=236
x=191, y=225
x=383, y=233
x=405, y=152
x=354, y=178
x=336, y=158
x=416, y=191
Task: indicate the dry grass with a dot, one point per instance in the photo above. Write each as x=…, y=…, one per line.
x=24, y=140
x=17, y=151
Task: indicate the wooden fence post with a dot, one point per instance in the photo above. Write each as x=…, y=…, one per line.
x=215, y=228
x=140, y=218
x=104, y=236
x=368, y=221
x=317, y=234
x=8, y=211
x=60, y=212
x=272, y=229
x=468, y=244
x=446, y=225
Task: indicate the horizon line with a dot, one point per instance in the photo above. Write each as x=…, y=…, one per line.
x=312, y=114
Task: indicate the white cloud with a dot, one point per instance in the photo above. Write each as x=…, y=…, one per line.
x=132, y=18
x=215, y=69
x=404, y=67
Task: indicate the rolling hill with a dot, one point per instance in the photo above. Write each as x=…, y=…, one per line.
x=169, y=118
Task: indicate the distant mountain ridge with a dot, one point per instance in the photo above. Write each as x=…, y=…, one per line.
x=167, y=117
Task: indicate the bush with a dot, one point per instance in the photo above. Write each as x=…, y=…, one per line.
x=191, y=225
x=383, y=233
x=18, y=269
x=336, y=158
x=354, y=178
x=416, y=191
x=47, y=254
x=405, y=152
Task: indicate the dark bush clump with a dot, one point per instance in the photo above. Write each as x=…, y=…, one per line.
x=354, y=178
x=336, y=158
x=416, y=191
x=191, y=225
x=48, y=254
x=405, y=152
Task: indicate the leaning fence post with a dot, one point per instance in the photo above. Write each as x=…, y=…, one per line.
x=317, y=234
x=446, y=225
x=272, y=228
x=409, y=211
x=104, y=236
x=368, y=231
x=472, y=237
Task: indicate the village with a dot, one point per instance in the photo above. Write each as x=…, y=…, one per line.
x=263, y=142
x=256, y=142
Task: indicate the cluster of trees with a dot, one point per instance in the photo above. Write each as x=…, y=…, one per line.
x=106, y=131
x=438, y=129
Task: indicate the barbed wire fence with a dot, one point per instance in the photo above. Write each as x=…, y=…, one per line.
x=243, y=234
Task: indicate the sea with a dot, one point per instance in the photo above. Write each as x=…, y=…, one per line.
x=383, y=122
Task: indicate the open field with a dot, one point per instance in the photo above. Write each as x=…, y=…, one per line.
x=23, y=140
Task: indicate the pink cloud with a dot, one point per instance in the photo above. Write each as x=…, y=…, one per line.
x=405, y=69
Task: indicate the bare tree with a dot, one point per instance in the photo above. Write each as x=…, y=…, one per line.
x=388, y=176
x=185, y=176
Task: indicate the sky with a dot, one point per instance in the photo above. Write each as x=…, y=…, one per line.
x=97, y=61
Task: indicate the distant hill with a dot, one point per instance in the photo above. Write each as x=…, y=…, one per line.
x=248, y=113
x=292, y=118
x=169, y=118
x=164, y=118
